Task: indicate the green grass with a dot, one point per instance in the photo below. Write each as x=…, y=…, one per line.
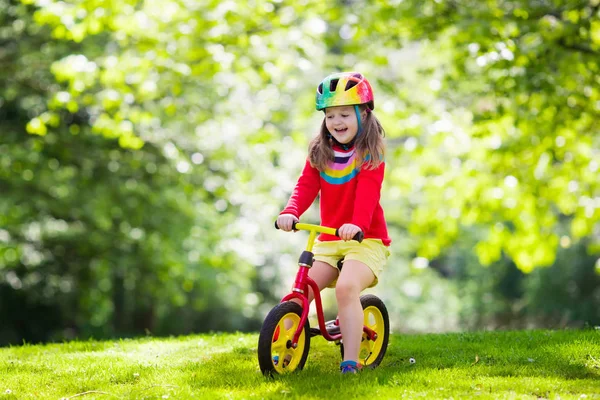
x=483, y=365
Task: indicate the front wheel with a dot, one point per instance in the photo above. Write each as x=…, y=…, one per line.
x=371, y=352
x=275, y=351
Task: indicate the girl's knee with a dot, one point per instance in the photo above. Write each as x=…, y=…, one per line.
x=345, y=290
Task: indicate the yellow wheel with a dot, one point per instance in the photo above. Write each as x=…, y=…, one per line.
x=275, y=351
x=376, y=317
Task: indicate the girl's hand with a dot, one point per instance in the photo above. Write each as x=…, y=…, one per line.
x=347, y=231
x=285, y=221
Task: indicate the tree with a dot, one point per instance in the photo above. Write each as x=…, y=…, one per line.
x=513, y=149
x=165, y=137
x=98, y=238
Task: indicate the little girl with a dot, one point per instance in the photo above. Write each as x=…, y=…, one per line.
x=346, y=166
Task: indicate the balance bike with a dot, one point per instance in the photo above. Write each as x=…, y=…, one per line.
x=284, y=338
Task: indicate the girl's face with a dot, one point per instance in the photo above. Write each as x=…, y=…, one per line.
x=341, y=123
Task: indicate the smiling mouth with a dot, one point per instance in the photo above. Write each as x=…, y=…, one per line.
x=341, y=130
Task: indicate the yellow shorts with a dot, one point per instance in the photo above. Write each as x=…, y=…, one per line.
x=371, y=252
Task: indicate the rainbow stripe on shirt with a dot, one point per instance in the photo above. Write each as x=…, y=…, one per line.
x=342, y=169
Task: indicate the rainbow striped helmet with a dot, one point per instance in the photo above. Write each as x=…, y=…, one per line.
x=344, y=89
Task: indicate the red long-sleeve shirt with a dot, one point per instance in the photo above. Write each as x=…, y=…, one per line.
x=348, y=195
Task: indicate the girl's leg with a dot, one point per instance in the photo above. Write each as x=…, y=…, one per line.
x=323, y=274
x=354, y=278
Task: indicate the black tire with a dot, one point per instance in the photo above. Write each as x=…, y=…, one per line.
x=274, y=341
x=376, y=317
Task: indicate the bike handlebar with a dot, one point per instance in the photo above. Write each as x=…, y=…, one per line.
x=322, y=229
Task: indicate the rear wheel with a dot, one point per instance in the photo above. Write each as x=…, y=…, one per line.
x=275, y=351
x=376, y=317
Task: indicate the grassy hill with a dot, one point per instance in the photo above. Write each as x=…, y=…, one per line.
x=483, y=365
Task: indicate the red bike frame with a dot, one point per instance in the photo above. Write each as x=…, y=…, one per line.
x=303, y=282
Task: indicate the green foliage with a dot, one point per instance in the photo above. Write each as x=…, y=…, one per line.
x=549, y=364
x=515, y=149
x=165, y=136
x=530, y=156
x=501, y=296
x=98, y=239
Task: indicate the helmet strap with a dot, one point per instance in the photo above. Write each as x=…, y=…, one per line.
x=358, y=120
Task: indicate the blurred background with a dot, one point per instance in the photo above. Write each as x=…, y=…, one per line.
x=146, y=147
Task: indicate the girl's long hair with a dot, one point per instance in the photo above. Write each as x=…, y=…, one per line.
x=368, y=143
